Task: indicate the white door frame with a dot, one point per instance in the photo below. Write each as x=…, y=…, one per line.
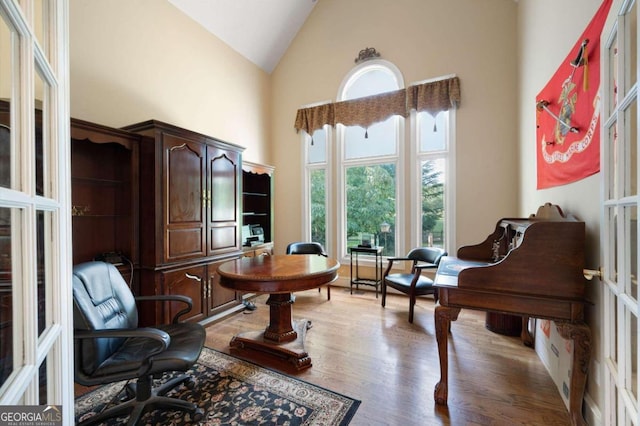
x=36, y=74
x=619, y=214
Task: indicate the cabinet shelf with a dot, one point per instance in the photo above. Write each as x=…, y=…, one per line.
x=104, y=191
x=99, y=181
x=100, y=216
x=257, y=198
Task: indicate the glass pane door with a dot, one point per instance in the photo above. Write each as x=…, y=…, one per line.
x=620, y=220
x=35, y=263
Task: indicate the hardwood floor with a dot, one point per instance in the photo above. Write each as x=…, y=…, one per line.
x=373, y=354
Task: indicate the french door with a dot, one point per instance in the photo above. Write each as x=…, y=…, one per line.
x=619, y=226
x=36, y=359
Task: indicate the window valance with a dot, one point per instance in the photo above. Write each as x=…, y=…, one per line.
x=431, y=97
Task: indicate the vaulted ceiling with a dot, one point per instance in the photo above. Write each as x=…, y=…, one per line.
x=260, y=30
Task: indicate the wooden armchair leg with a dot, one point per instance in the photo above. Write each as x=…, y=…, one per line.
x=412, y=302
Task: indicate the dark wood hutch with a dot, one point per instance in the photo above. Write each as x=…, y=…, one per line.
x=104, y=194
x=165, y=204
x=257, y=209
x=190, y=217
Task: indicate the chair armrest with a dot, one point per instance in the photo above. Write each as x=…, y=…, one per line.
x=390, y=264
x=398, y=258
x=426, y=266
x=170, y=298
x=143, y=332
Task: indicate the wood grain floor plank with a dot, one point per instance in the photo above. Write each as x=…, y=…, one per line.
x=373, y=354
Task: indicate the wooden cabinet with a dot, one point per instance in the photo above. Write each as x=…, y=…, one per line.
x=189, y=281
x=219, y=298
x=104, y=194
x=190, y=215
x=257, y=201
x=104, y=188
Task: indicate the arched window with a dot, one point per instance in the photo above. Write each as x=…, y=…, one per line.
x=369, y=161
x=374, y=183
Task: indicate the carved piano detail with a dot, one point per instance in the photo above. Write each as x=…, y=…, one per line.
x=531, y=267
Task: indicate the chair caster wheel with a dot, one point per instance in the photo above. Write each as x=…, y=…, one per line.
x=130, y=392
x=198, y=415
x=190, y=383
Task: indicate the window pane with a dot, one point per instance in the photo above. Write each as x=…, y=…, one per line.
x=379, y=139
x=631, y=243
x=40, y=259
x=6, y=322
x=42, y=383
x=432, y=202
x=318, y=207
x=631, y=358
x=371, y=201
x=612, y=231
x=631, y=25
x=5, y=113
x=432, y=131
x=317, y=150
x=40, y=114
x=41, y=22
x=630, y=149
x=371, y=82
x=612, y=177
x=613, y=75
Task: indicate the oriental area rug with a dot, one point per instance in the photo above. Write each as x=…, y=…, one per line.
x=232, y=391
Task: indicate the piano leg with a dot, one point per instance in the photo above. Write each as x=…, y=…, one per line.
x=443, y=317
x=580, y=333
x=525, y=336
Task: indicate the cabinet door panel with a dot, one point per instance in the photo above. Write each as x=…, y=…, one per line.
x=183, y=243
x=224, y=183
x=189, y=282
x=183, y=193
x=222, y=237
x=220, y=296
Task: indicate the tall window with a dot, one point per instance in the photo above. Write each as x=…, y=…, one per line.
x=317, y=178
x=432, y=140
x=373, y=183
x=369, y=161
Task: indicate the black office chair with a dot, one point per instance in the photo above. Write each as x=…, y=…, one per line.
x=110, y=347
x=414, y=283
x=309, y=248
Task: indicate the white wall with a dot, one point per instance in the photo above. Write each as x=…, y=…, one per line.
x=547, y=30
x=475, y=39
x=138, y=60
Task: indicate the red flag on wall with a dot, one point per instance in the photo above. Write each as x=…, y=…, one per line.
x=568, y=112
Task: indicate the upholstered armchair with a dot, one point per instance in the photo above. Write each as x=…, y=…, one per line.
x=111, y=347
x=413, y=284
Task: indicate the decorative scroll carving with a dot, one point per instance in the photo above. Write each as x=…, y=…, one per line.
x=366, y=54
x=580, y=334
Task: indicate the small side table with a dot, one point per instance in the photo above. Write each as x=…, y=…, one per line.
x=375, y=251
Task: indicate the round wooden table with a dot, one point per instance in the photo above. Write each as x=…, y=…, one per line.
x=279, y=276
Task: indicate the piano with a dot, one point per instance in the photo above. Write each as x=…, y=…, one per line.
x=530, y=267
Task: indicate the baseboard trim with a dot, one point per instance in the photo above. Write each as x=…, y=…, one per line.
x=592, y=413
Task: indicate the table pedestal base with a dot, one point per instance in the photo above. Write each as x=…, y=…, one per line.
x=253, y=344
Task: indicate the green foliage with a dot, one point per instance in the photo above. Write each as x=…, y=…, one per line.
x=318, y=207
x=371, y=200
x=432, y=199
